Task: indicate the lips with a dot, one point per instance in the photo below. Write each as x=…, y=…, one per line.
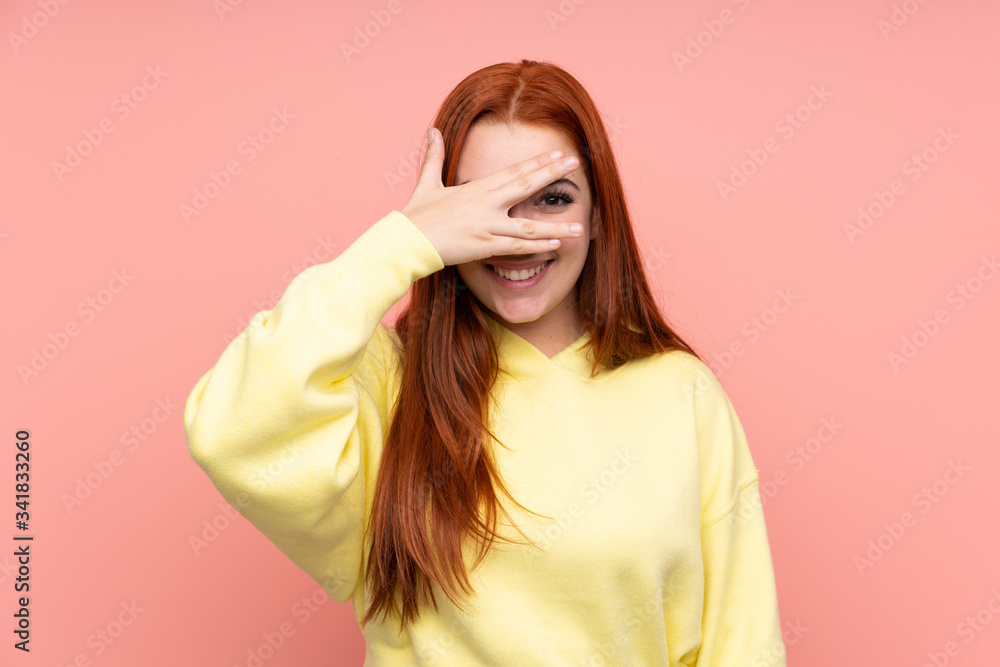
x=519, y=274
x=518, y=266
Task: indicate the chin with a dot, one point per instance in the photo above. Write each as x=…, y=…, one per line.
x=511, y=308
x=517, y=315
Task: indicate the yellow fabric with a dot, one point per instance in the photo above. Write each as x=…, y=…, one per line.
x=656, y=552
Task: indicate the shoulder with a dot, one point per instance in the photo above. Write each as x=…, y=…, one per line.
x=699, y=376
x=690, y=378
x=685, y=368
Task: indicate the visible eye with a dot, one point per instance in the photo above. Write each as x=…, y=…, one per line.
x=552, y=199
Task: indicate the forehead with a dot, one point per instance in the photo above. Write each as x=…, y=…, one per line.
x=491, y=146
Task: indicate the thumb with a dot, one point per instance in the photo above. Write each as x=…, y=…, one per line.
x=430, y=172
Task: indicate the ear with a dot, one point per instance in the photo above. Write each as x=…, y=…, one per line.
x=595, y=222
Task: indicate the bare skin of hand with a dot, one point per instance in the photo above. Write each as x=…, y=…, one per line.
x=469, y=222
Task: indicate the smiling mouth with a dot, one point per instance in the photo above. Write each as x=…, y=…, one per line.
x=522, y=274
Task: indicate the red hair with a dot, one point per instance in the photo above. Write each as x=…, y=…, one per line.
x=437, y=481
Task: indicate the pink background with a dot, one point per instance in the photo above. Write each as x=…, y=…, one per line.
x=891, y=89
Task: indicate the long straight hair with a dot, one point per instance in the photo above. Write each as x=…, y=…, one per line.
x=437, y=482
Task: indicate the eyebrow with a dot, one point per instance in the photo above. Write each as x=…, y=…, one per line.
x=561, y=181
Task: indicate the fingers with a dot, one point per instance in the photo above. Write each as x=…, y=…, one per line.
x=522, y=179
x=509, y=245
x=535, y=235
x=430, y=171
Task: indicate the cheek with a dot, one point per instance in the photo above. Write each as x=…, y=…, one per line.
x=575, y=250
x=472, y=276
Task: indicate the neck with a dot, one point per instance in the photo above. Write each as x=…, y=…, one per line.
x=554, y=331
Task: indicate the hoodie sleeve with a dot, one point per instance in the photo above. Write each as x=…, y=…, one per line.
x=291, y=419
x=740, y=622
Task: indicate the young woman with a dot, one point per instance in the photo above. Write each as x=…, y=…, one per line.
x=531, y=467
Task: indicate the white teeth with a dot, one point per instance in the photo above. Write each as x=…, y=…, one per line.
x=523, y=274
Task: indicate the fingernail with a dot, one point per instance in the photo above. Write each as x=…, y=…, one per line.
x=570, y=162
x=555, y=155
x=430, y=136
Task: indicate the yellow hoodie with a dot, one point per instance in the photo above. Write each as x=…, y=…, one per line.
x=656, y=552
